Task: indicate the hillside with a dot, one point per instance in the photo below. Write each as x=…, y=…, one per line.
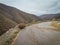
x=5, y=24
x=10, y=16
x=50, y=16
x=16, y=14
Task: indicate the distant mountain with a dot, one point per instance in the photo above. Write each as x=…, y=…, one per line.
x=50, y=16
x=10, y=16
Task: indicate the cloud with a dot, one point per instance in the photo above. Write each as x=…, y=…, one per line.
x=35, y=6
x=54, y=8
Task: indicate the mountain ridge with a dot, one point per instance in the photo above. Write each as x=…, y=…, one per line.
x=50, y=16
x=14, y=16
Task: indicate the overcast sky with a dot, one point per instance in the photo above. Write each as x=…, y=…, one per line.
x=37, y=7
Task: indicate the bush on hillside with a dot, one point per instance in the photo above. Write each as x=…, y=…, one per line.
x=22, y=25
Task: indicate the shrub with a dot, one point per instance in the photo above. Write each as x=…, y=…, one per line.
x=22, y=25
x=56, y=24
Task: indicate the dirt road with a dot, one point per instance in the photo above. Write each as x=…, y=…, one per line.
x=39, y=34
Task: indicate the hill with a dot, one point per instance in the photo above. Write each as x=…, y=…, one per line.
x=50, y=16
x=16, y=14
x=5, y=24
x=11, y=16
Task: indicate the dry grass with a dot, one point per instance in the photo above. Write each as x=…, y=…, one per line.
x=8, y=37
x=56, y=24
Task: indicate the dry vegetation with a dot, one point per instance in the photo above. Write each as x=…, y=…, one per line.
x=8, y=37
x=22, y=25
x=56, y=24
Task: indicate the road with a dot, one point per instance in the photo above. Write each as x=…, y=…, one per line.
x=39, y=34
